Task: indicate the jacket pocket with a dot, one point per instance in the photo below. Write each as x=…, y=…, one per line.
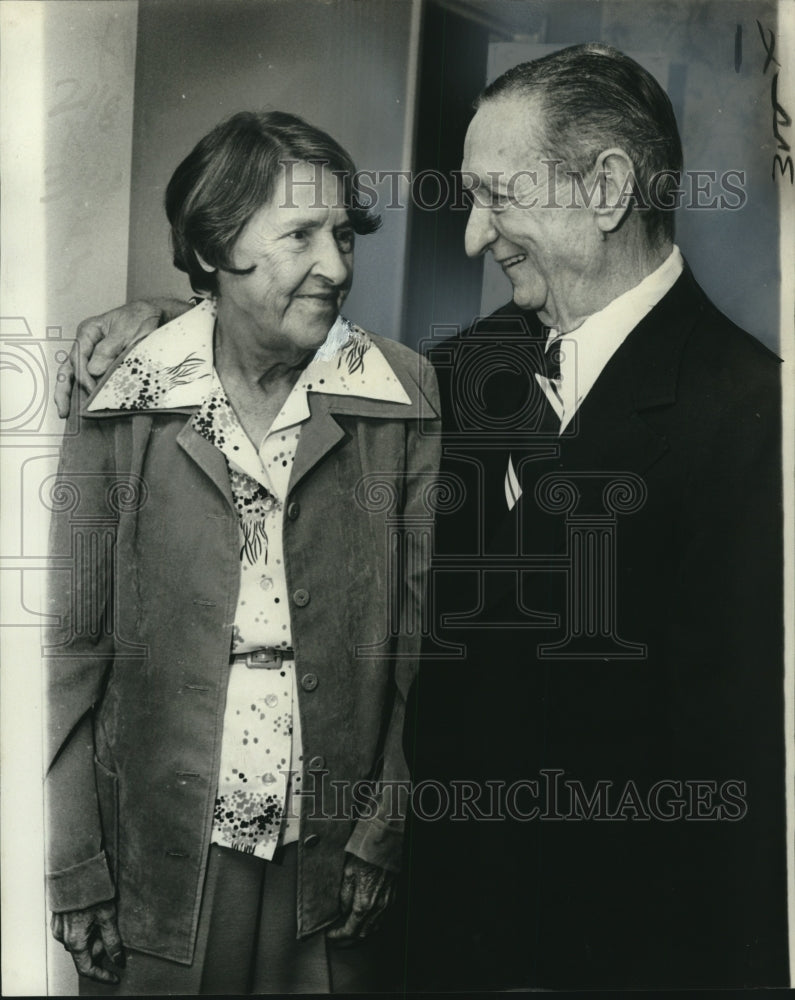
x=108, y=798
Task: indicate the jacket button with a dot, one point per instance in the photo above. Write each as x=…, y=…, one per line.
x=311, y=840
x=309, y=682
x=301, y=598
x=316, y=763
x=294, y=510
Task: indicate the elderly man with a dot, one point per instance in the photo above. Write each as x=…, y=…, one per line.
x=622, y=614
x=613, y=574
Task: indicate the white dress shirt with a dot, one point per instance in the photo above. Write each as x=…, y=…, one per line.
x=586, y=350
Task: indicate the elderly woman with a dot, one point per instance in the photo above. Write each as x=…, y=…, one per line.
x=234, y=648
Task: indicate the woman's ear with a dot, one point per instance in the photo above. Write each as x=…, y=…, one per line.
x=204, y=265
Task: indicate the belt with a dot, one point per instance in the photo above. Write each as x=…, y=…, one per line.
x=265, y=658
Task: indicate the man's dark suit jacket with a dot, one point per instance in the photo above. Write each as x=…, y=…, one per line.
x=685, y=884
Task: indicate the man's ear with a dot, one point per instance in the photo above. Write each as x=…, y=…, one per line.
x=204, y=265
x=614, y=174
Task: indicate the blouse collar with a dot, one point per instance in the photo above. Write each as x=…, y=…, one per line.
x=173, y=368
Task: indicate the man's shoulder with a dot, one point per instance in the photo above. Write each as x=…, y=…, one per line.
x=710, y=387
x=738, y=346
x=481, y=367
x=504, y=324
x=726, y=359
x=686, y=342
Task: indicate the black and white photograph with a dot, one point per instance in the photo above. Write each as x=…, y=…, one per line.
x=398, y=474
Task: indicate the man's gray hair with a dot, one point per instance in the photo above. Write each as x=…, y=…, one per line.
x=594, y=97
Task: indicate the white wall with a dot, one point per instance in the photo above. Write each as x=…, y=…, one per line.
x=67, y=94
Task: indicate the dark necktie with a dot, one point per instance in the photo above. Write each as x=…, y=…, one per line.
x=552, y=356
x=550, y=421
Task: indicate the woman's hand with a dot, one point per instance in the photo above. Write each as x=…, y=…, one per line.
x=366, y=893
x=86, y=935
x=101, y=339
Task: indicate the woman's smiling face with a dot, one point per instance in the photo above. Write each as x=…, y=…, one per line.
x=299, y=247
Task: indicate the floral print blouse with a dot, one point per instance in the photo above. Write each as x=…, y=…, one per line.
x=258, y=797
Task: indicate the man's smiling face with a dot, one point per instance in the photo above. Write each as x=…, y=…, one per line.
x=546, y=247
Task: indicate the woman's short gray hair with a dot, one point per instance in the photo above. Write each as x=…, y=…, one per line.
x=230, y=174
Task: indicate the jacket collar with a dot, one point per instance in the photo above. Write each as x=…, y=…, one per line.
x=654, y=349
x=172, y=370
x=587, y=350
x=614, y=428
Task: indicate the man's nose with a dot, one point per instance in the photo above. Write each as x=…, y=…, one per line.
x=480, y=231
x=332, y=264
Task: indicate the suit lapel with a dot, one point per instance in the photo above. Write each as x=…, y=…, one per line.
x=609, y=433
x=209, y=459
x=322, y=433
x=612, y=431
x=319, y=435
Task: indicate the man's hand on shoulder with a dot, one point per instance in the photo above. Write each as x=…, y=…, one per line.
x=101, y=339
x=366, y=893
x=88, y=934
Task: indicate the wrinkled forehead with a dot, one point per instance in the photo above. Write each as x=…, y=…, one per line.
x=504, y=135
x=308, y=187
x=304, y=196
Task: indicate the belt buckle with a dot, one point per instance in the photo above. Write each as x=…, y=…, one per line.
x=264, y=659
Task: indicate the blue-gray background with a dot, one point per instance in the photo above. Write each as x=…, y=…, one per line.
x=398, y=93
